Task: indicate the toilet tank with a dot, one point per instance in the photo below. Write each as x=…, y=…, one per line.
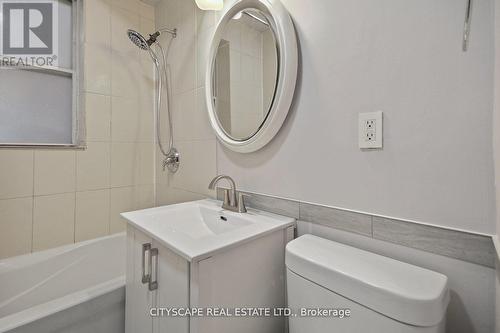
x=326, y=280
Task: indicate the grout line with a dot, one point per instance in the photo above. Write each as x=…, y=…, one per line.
x=190, y=191
x=371, y=223
x=20, y=197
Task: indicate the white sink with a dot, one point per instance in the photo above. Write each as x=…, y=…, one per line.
x=197, y=230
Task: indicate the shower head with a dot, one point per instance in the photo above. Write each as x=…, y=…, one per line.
x=139, y=39
x=144, y=44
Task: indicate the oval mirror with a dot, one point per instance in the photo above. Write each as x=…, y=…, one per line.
x=251, y=73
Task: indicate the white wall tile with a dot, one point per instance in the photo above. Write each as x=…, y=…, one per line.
x=97, y=68
x=184, y=178
x=130, y=5
x=16, y=221
x=144, y=196
x=163, y=195
x=92, y=214
x=55, y=171
x=183, y=53
x=201, y=127
x=184, y=115
x=122, y=200
x=132, y=120
x=203, y=43
x=122, y=20
x=146, y=11
x=93, y=165
x=97, y=22
x=125, y=74
x=198, y=166
x=147, y=122
x=98, y=117
x=172, y=14
x=172, y=196
x=147, y=26
x=162, y=176
x=126, y=118
x=164, y=126
x=53, y=221
x=16, y=173
x=145, y=159
x=124, y=164
x=204, y=165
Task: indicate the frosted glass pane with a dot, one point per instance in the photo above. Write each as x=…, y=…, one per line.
x=65, y=30
x=35, y=108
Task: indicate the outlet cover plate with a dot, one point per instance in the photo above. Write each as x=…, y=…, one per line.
x=371, y=130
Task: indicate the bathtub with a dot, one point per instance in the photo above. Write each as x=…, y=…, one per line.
x=76, y=288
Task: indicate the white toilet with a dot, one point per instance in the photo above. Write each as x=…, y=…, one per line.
x=383, y=295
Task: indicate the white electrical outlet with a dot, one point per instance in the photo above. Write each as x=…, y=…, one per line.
x=371, y=130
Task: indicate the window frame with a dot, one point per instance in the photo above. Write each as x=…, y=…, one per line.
x=78, y=117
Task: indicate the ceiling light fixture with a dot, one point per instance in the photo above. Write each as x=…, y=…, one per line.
x=210, y=4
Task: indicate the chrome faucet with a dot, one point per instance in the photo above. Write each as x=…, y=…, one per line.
x=230, y=201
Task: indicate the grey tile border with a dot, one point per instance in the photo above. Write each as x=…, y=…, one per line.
x=336, y=218
x=466, y=246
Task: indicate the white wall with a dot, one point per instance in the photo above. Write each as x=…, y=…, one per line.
x=405, y=58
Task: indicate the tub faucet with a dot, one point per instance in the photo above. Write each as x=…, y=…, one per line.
x=230, y=201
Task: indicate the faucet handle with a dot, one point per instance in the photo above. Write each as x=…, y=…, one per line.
x=241, y=202
x=227, y=201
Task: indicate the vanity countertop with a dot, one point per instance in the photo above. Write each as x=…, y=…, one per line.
x=197, y=230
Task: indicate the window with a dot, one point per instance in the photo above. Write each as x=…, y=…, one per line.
x=39, y=63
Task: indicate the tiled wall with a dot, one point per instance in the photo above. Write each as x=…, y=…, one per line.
x=193, y=135
x=50, y=198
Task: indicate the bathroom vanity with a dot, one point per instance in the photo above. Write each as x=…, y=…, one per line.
x=196, y=255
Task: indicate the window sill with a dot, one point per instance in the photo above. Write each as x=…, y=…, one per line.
x=44, y=146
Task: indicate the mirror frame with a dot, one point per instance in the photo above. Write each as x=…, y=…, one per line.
x=287, y=51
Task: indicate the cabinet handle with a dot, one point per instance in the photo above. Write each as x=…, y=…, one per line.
x=153, y=280
x=146, y=249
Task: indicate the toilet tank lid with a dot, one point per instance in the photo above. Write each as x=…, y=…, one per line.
x=404, y=292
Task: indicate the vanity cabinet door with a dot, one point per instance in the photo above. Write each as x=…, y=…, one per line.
x=139, y=299
x=173, y=290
